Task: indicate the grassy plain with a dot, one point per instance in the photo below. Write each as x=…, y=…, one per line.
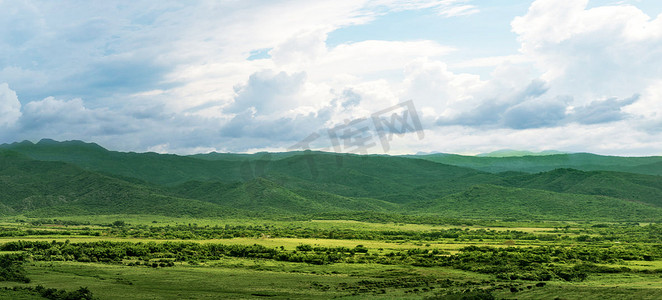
x=235, y=277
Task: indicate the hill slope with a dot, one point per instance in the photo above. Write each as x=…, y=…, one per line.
x=534, y=164
x=505, y=202
x=56, y=188
x=394, y=179
x=65, y=178
x=155, y=168
x=628, y=186
x=264, y=195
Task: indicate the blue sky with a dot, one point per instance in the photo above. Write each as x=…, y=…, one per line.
x=245, y=76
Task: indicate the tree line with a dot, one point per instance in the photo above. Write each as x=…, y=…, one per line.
x=523, y=263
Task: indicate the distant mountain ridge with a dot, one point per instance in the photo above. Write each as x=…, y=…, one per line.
x=73, y=177
x=512, y=153
x=541, y=163
x=46, y=188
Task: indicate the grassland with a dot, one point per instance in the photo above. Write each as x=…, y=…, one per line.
x=78, y=221
x=637, y=274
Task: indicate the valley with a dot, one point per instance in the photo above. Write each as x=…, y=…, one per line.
x=80, y=221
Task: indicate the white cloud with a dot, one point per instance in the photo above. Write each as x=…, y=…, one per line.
x=431, y=85
x=459, y=10
x=301, y=49
x=649, y=104
x=619, y=138
x=176, y=77
x=10, y=107
x=372, y=56
x=118, y=60
x=445, y=8
x=268, y=93
x=591, y=53
x=66, y=119
x=602, y=111
x=491, y=61
x=536, y=113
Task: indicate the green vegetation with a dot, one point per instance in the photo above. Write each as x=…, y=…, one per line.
x=325, y=259
x=56, y=188
x=634, y=187
x=541, y=163
x=80, y=222
x=531, y=204
x=11, y=268
x=51, y=179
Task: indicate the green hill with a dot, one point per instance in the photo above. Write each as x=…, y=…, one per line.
x=164, y=169
x=264, y=195
x=542, y=163
x=511, y=153
x=504, y=202
x=246, y=156
x=70, y=178
x=394, y=179
x=628, y=186
x=57, y=188
x=650, y=169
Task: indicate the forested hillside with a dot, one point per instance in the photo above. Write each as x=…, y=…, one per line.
x=70, y=178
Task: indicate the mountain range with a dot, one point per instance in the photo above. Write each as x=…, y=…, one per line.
x=52, y=178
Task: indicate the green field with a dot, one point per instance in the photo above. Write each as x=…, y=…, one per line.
x=626, y=270
x=78, y=221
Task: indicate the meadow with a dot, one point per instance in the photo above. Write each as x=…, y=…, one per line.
x=152, y=257
x=78, y=221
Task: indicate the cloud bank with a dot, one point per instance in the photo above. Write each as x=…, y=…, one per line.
x=162, y=76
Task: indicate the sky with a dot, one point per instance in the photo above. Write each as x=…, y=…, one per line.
x=359, y=76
